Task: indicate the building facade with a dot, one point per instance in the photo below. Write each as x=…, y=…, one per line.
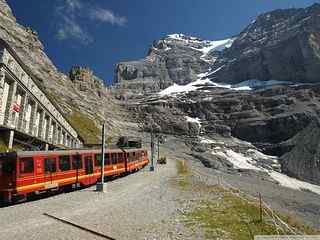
x=26, y=110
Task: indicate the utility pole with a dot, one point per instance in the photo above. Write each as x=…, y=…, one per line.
x=158, y=148
x=100, y=185
x=152, y=150
x=260, y=206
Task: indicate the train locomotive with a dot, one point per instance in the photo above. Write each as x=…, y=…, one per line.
x=27, y=173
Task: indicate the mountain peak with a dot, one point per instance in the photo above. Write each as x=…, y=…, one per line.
x=183, y=37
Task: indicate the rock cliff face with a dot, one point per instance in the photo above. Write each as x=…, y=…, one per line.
x=282, y=45
x=81, y=99
x=174, y=59
x=303, y=161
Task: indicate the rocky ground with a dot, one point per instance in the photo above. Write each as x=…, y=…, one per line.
x=150, y=205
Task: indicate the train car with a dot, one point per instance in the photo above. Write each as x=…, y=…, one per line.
x=26, y=173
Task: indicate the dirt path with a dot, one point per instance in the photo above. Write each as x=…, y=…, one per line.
x=143, y=205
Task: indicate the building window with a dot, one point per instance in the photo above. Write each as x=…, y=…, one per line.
x=64, y=163
x=26, y=165
x=50, y=165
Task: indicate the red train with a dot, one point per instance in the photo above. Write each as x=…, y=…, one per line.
x=31, y=173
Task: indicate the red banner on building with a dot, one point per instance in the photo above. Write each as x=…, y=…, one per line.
x=15, y=107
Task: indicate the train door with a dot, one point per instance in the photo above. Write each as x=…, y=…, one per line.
x=88, y=164
x=50, y=169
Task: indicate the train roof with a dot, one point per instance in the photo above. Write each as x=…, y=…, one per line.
x=71, y=151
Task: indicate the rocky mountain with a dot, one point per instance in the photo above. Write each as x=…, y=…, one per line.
x=282, y=45
x=174, y=59
x=81, y=96
x=261, y=87
x=303, y=161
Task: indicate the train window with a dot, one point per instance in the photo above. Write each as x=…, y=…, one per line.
x=50, y=165
x=120, y=158
x=114, y=158
x=8, y=166
x=107, y=159
x=26, y=165
x=76, y=162
x=64, y=163
x=8, y=163
x=97, y=160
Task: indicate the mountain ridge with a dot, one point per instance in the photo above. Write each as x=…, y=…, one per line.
x=283, y=44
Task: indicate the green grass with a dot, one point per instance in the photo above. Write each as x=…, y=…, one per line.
x=231, y=217
x=182, y=167
x=222, y=214
x=86, y=127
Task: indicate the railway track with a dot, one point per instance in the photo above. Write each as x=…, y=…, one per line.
x=83, y=228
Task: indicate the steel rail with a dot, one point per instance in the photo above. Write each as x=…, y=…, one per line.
x=79, y=227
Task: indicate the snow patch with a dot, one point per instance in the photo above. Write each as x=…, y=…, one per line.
x=293, y=183
x=240, y=161
x=216, y=46
x=204, y=46
x=175, y=88
x=242, y=86
x=206, y=140
x=249, y=161
x=258, y=154
x=210, y=73
x=194, y=120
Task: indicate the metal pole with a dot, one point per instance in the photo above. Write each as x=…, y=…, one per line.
x=102, y=152
x=260, y=203
x=158, y=148
x=100, y=186
x=152, y=150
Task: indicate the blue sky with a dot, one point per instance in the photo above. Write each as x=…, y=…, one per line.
x=101, y=33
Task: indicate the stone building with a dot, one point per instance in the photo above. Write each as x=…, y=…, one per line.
x=26, y=113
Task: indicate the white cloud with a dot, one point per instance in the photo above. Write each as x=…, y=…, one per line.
x=69, y=14
x=106, y=15
x=71, y=29
x=73, y=4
